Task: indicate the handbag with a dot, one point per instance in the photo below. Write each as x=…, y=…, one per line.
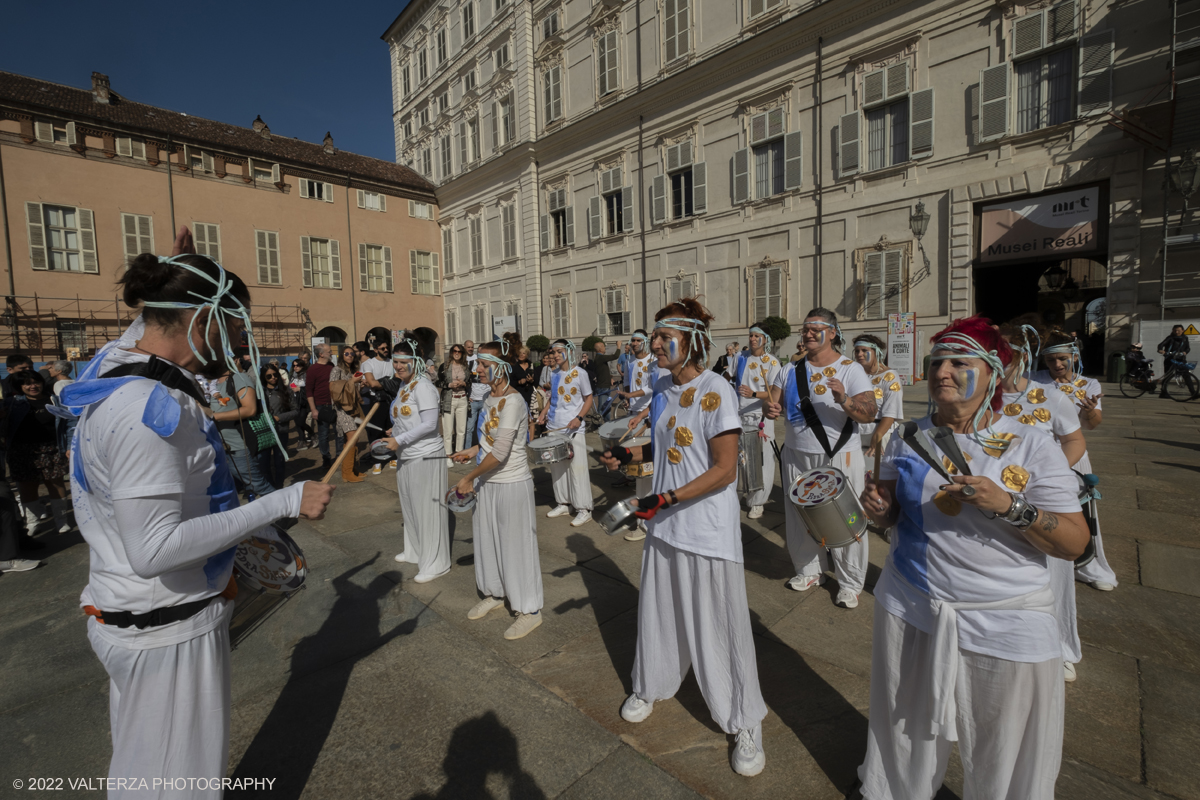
x=256, y=432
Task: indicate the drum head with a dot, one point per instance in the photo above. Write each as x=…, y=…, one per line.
x=545, y=441
x=460, y=503
x=816, y=486
x=274, y=565
x=637, y=441
x=614, y=430
x=380, y=451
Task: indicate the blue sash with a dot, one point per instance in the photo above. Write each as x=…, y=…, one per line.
x=791, y=394
x=739, y=367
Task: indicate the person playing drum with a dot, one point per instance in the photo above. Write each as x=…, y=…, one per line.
x=570, y=402
x=156, y=503
x=640, y=377
x=1050, y=413
x=965, y=645
x=889, y=393
x=692, y=609
x=1061, y=356
x=504, y=523
x=823, y=395
x=754, y=375
x=420, y=483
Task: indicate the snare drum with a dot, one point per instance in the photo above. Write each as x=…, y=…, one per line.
x=380, y=452
x=829, y=507
x=550, y=450
x=610, y=433
x=643, y=469
x=269, y=572
x=750, y=461
x=620, y=517
x=460, y=503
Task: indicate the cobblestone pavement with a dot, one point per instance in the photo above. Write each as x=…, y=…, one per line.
x=369, y=685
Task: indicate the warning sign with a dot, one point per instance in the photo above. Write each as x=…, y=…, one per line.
x=1191, y=331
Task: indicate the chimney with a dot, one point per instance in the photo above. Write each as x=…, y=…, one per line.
x=101, y=90
x=261, y=128
x=328, y=143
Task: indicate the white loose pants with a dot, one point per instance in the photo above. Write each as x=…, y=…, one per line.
x=1097, y=569
x=692, y=611
x=1009, y=719
x=761, y=497
x=572, y=485
x=422, y=489
x=168, y=710
x=507, y=562
x=808, y=557
x=1062, y=583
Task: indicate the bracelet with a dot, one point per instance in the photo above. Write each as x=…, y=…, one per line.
x=674, y=499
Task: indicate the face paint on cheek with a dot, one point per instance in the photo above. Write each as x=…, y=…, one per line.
x=673, y=349
x=967, y=379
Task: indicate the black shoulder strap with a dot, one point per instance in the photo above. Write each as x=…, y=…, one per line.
x=164, y=372
x=811, y=418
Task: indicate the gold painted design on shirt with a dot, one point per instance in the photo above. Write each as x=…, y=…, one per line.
x=891, y=376
x=683, y=436
x=895, y=387
x=1081, y=393
x=1015, y=477
x=574, y=390
x=405, y=411
x=753, y=365
x=710, y=401
x=671, y=422
x=1012, y=409
x=878, y=393
x=1008, y=437
x=814, y=378
x=688, y=398
x=845, y=361
x=876, y=381
x=674, y=456
x=1036, y=396
x=1027, y=419
x=820, y=388
x=501, y=406
x=829, y=372
x=1066, y=388
x=1042, y=414
x=1081, y=382
x=950, y=506
x=561, y=391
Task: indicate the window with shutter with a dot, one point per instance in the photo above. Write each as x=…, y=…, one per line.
x=560, y=316
x=138, y=233
x=1095, y=73
x=38, y=254
x=658, y=200
x=124, y=146
x=872, y=286
x=741, y=176
x=552, y=94
x=508, y=220
x=207, y=238
x=767, y=292
x=475, y=233
x=322, y=264
x=306, y=271
x=482, y=328
x=882, y=284
x=335, y=264
x=267, y=249
x=448, y=247
x=921, y=122
x=607, y=63
x=676, y=29
x=452, y=326
x=993, y=102
x=627, y=208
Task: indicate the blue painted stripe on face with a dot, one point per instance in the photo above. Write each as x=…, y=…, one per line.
x=910, y=552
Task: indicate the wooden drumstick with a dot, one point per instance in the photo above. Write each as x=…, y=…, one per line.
x=878, y=458
x=337, y=464
x=629, y=432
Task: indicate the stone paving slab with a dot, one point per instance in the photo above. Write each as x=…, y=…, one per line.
x=1170, y=567
x=1172, y=736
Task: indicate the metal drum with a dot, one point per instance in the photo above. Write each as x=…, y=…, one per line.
x=380, y=452
x=1087, y=501
x=829, y=507
x=460, y=503
x=620, y=517
x=610, y=433
x=270, y=570
x=750, y=461
x=550, y=450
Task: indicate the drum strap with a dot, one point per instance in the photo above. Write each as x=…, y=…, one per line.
x=813, y=421
x=150, y=619
x=164, y=372
x=918, y=441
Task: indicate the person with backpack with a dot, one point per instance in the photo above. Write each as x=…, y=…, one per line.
x=234, y=402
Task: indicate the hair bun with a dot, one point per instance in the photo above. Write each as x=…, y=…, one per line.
x=144, y=278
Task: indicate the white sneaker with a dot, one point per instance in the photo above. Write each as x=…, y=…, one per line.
x=1103, y=586
x=846, y=599
x=524, y=625
x=635, y=709
x=426, y=577
x=484, y=606
x=19, y=565
x=582, y=517
x=755, y=512
x=403, y=558
x=748, y=758
x=392, y=463
x=1068, y=672
x=378, y=468
x=558, y=511
x=638, y=533
x=802, y=583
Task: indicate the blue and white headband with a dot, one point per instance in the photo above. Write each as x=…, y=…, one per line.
x=836, y=328
x=697, y=330
x=1070, y=348
x=569, y=347
x=1031, y=351
x=765, y=335
x=224, y=291
x=504, y=365
x=419, y=365
x=959, y=345
x=878, y=350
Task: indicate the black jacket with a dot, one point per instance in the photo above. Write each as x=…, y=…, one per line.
x=443, y=383
x=1175, y=345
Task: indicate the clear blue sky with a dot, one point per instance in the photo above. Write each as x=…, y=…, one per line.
x=306, y=67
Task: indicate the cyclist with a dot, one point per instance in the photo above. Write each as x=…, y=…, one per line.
x=1174, y=350
x=1139, y=367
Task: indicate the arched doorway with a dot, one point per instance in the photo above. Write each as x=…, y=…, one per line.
x=332, y=335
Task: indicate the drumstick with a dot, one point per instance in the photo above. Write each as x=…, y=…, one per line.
x=337, y=464
x=878, y=458
x=630, y=431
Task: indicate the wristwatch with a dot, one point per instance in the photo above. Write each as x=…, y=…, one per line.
x=1021, y=514
x=579, y=418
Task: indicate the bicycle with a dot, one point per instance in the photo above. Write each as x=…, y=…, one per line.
x=1178, y=382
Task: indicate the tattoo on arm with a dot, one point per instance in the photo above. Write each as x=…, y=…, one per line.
x=1048, y=521
x=861, y=407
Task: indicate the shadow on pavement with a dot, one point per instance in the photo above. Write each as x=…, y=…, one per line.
x=290, y=740
x=1192, y=467
x=478, y=748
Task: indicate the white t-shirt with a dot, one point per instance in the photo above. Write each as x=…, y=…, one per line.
x=406, y=415
x=378, y=367
x=1079, y=388
x=833, y=417
x=952, y=552
x=479, y=389
x=506, y=413
x=567, y=392
x=889, y=402
x=1043, y=408
x=759, y=374
x=124, y=460
x=640, y=378
x=693, y=414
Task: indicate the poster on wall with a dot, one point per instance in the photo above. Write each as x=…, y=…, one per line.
x=1047, y=227
x=398, y=336
x=902, y=344
x=501, y=325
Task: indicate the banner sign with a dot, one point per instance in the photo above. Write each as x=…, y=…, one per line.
x=901, y=342
x=502, y=325
x=1051, y=226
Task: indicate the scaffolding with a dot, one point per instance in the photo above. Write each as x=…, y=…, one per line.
x=74, y=328
x=1180, y=282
